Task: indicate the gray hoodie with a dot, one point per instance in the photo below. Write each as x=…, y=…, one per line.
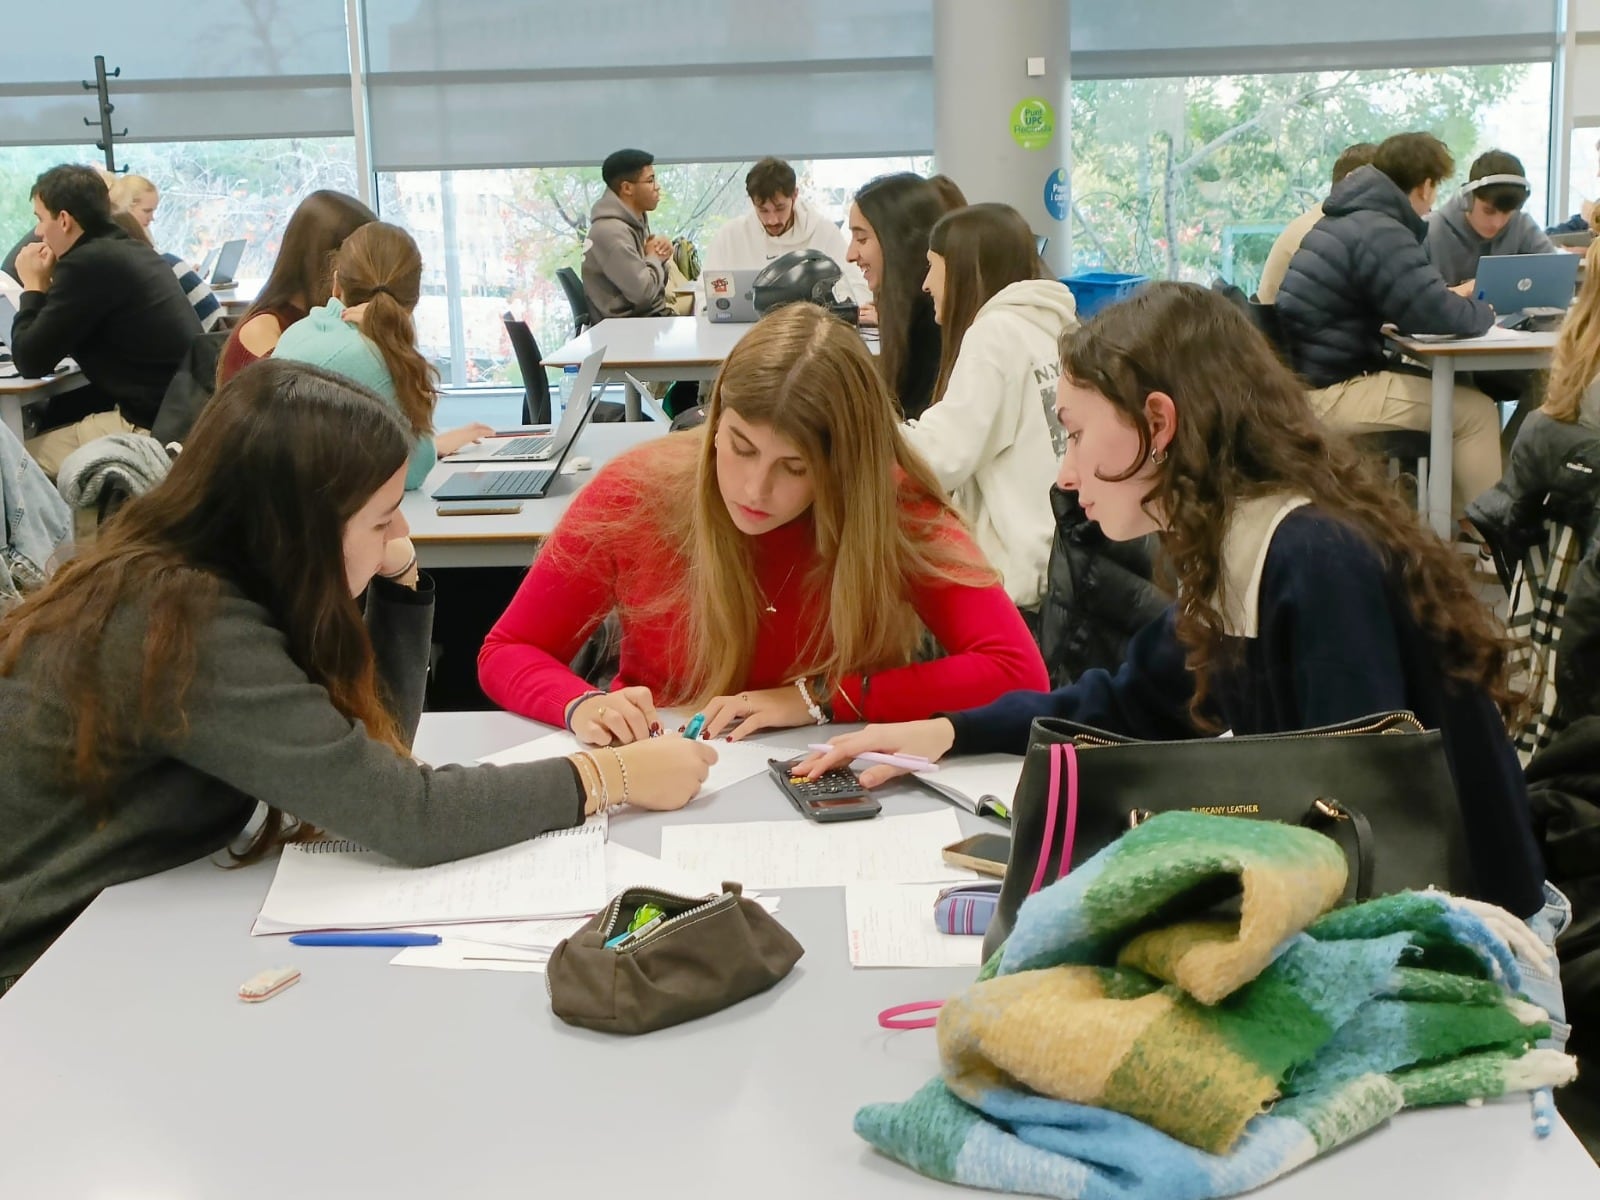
x=618, y=277
x=1455, y=248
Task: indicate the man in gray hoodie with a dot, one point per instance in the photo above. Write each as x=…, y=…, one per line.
x=1484, y=217
x=624, y=265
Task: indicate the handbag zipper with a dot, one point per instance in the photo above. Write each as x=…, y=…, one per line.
x=1392, y=723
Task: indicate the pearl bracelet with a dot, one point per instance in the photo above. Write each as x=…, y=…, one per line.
x=812, y=706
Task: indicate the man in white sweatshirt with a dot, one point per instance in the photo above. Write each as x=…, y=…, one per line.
x=779, y=223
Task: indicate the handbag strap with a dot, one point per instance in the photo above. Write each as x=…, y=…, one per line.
x=1052, y=806
x=899, y=1016
x=1324, y=810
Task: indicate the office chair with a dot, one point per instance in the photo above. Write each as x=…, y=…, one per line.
x=535, y=383
x=582, y=318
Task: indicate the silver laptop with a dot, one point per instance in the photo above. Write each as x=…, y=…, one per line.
x=1513, y=283
x=534, y=483
x=730, y=298
x=540, y=447
x=227, y=263
x=8, y=314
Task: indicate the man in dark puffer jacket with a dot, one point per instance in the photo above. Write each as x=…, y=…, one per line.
x=1363, y=267
x=1098, y=594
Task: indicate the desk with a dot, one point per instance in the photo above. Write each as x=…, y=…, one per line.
x=131, y=1070
x=509, y=541
x=1529, y=352
x=237, y=298
x=19, y=391
x=653, y=350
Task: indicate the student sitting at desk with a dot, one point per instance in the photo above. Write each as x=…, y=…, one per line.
x=1485, y=217
x=778, y=565
x=780, y=222
x=625, y=265
x=991, y=434
x=378, y=275
x=208, y=653
x=1314, y=596
x=889, y=225
x=1362, y=267
x=300, y=280
x=92, y=293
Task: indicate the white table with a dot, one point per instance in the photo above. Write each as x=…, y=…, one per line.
x=510, y=540
x=131, y=1070
x=237, y=298
x=653, y=350
x=19, y=391
x=1529, y=352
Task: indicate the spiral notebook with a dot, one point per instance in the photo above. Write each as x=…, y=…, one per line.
x=339, y=885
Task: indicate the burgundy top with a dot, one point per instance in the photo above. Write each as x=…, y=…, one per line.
x=234, y=355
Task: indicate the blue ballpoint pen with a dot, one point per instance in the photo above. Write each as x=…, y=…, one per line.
x=377, y=938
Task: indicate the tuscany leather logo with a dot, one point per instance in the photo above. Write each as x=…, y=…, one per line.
x=1228, y=810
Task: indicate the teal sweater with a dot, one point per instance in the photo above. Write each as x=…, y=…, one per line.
x=326, y=339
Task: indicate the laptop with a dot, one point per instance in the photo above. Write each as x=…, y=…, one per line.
x=8, y=314
x=1512, y=283
x=227, y=263
x=730, y=298
x=540, y=447
x=1040, y=242
x=530, y=484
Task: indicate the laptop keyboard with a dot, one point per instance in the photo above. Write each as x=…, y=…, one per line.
x=516, y=481
x=525, y=445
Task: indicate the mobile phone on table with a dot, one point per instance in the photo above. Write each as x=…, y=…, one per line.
x=485, y=507
x=835, y=795
x=985, y=853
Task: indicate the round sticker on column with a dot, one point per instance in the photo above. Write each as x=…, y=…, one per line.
x=1033, y=123
x=1058, y=194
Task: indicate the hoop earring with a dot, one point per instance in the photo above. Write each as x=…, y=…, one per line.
x=1158, y=457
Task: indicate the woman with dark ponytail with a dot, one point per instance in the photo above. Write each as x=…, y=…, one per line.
x=365, y=332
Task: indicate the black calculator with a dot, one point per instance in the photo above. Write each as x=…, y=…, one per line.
x=835, y=795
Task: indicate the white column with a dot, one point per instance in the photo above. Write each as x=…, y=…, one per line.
x=1002, y=109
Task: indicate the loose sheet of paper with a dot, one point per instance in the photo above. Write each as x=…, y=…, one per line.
x=796, y=854
x=891, y=925
x=736, y=761
x=470, y=956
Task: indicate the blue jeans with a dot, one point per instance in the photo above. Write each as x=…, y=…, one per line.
x=1541, y=981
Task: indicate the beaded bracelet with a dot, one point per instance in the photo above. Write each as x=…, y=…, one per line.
x=812, y=706
x=622, y=765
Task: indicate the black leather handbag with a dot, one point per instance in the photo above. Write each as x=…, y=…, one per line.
x=1379, y=786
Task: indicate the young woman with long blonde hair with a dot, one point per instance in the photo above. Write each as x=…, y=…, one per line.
x=780, y=564
x=366, y=332
x=1573, y=393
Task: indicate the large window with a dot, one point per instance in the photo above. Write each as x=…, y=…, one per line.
x=211, y=192
x=1193, y=178
x=511, y=230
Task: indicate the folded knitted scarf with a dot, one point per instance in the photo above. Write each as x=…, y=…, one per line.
x=1127, y=1042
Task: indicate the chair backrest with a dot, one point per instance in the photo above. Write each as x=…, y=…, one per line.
x=535, y=383
x=573, y=287
x=191, y=387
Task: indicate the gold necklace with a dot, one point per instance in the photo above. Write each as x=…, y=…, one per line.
x=767, y=604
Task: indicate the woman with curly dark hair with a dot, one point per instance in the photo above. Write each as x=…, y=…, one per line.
x=1309, y=594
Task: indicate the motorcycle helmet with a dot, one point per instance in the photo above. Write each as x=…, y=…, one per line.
x=800, y=275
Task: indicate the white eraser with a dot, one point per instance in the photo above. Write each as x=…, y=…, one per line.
x=268, y=984
x=1035, y=67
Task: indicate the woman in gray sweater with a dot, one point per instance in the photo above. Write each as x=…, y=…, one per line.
x=209, y=652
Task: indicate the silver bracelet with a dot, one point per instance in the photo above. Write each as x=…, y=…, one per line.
x=605, y=790
x=812, y=706
x=401, y=572
x=622, y=765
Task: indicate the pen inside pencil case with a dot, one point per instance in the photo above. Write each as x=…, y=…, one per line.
x=622, y=912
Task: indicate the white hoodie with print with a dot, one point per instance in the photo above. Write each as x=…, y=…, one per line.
x=994, y=440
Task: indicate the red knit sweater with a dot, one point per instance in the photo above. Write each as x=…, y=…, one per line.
x=573, y=585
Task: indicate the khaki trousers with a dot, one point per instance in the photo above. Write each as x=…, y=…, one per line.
x=1395, y=400
x=50, y=449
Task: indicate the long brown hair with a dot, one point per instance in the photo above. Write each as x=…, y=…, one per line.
x=380, y=266
x=882, y=522
x=1245, y=429
x=985, y=247
x=277, y=464
x=303, y=271
x=902, y=209
x=1576, y=363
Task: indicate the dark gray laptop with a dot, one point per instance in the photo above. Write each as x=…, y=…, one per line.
x=227, y=263
x=533, y=484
